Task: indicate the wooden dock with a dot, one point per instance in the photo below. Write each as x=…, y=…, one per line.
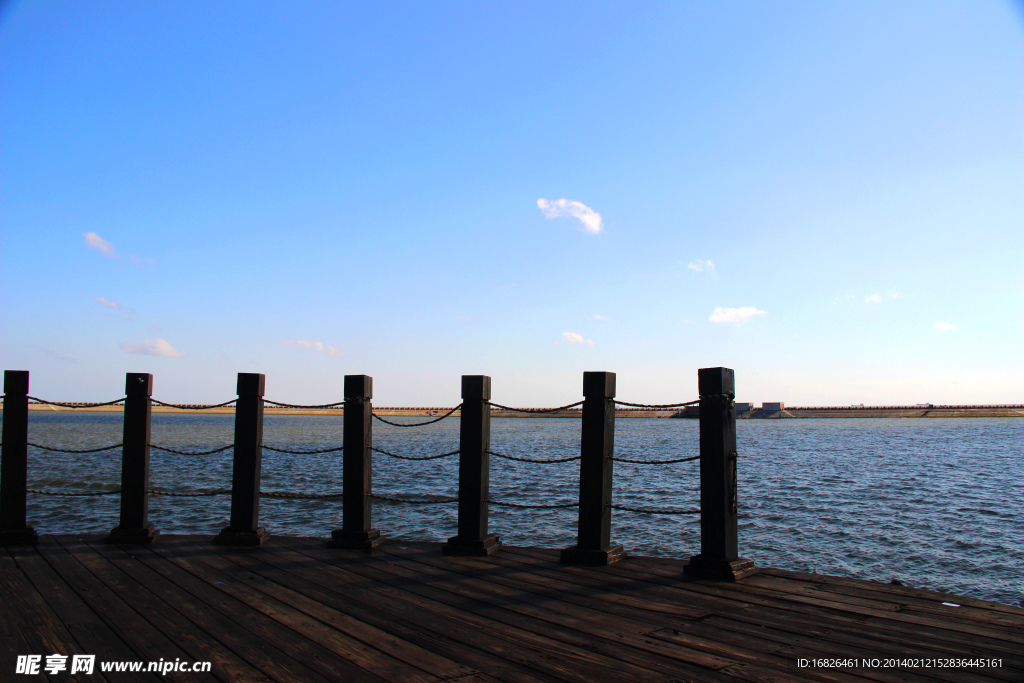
x=295, y=610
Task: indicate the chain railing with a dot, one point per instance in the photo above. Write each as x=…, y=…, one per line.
x=193, y=406
x=322, y=406
x=534, y=410
x=532, y=460
x=417, y=424
x=414, y=457
x=73, y=406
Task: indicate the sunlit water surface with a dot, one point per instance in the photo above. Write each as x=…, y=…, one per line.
x=933, y=503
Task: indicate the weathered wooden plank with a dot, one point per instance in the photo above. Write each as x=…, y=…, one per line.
x=315, y=622
x=291, y=591
x=86, y=633
x=124, y=623
x=329, y=583
x=567, y=663
x=273, y=621
x=946, y=642
x=626, y=639
x=197, y=643
x=910, y=600
x=217, y=617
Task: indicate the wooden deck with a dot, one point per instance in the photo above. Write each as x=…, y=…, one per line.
x=295, y=610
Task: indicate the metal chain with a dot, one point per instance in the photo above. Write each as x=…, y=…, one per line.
x=285, y=450
x=411, y=457
x=189, y=406
x=72, y=405
x=535, y=410
x=661, y=405
x=286, y=494
x=656, y=462
x=291, y=405
x=72, y=493
x=654, y=512
x=417, y=424
x=513, y=457
x=68, y=450
x=198, y=494
x=522, y=505
x=415, y=502
x=172, y=450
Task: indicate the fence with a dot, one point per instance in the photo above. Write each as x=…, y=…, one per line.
x=718, y=558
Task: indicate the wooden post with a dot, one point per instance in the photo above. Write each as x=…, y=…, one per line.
x=357, y=468
x=244, y=528
x=719, y=555
x=135, y=526
x=14, y=528
x=474, y=471
x=593, y=541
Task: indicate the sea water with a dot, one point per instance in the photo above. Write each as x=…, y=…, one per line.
x=933, y=503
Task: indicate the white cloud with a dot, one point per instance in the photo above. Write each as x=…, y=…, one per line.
x=573, y=338
x=135, y=259
x=875, y=298
x=153, y=347
x=945, y=327
x=702, y=266
x=598, y=317
x=316, y=346
x=561, y=208
x=734, y=315
x=104, y=302
x=99, y=244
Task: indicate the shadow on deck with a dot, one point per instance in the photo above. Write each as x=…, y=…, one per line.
x=294, y=610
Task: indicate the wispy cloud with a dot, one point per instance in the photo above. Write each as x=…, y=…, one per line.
x=945, y=327
x=734, y=315
x=573, y=338
x=598, y=317
x=105, y=302
x=878, y=298
x=142, y=261
x=316, y=346
x=100, y=244
x=702, y=266
x=153, y=347
x=566, y=208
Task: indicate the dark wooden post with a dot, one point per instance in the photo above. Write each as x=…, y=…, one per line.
x=135, y=526
x=593, y=540
x=244, y=528
x=474, y=471
x=719, y=555
x=357, y=468
x=14, y=529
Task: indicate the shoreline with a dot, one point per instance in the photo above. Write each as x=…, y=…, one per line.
x=691, y=412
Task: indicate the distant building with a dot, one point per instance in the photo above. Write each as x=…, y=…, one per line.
x=743, y=408
x=770, y=407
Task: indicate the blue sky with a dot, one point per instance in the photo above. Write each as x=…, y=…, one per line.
x=825, y=196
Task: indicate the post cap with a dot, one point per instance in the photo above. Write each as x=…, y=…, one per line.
x=358, y=386
x=16, y=382
x=251, y=383
x=599, y=384
x=712, y=381
x=138, y=384
x=476, y=386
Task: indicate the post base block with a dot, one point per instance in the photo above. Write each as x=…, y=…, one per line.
x=594, y=557
x=355, y=540
x=133, y=535
x=242, y=537
x=719, y=569
x=23, y=536
x=472, y=547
